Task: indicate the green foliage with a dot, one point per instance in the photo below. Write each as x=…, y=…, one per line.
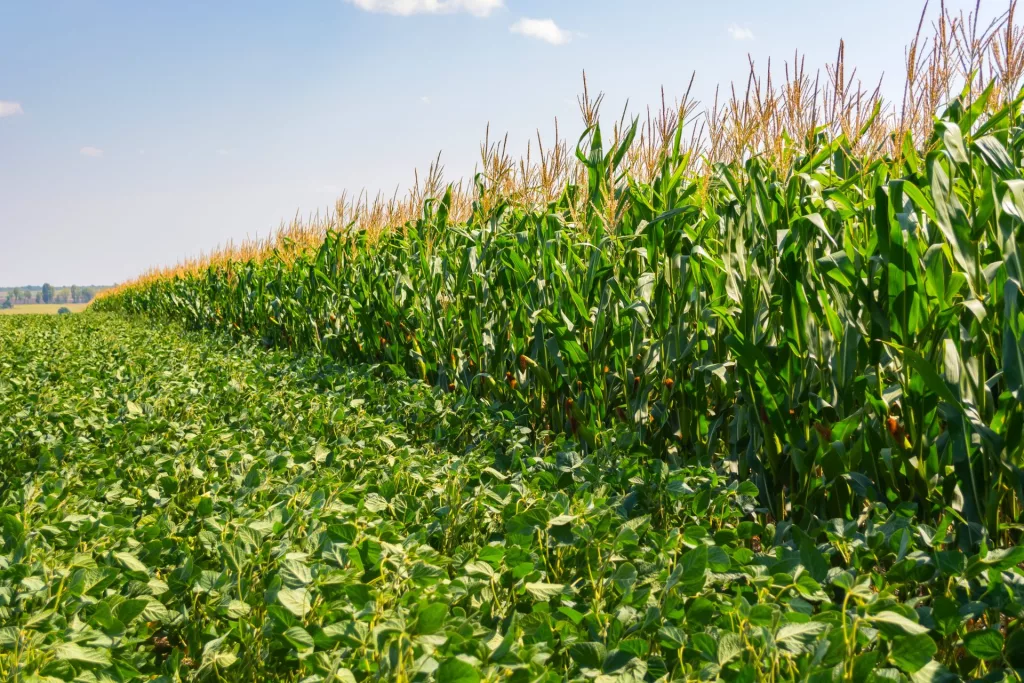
x=63, y=310
x=172, y=506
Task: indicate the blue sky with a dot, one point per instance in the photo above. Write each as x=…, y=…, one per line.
x=135, y=134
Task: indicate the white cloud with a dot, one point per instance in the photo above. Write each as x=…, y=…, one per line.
x=740, y=33
x=8, y=108
x=425, y=100
x=542, y=29
x=94, y=152
x=405, y=8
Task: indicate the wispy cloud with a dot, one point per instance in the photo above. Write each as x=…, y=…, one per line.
x=542, y=29
x=405, y=8
x=740, y=32
x=8, y=108
x=425, y=100
x=88, y=151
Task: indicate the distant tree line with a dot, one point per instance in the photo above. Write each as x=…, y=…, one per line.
x=48, y=294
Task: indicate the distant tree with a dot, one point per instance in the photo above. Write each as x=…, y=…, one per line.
x=39, y=297
x=63, y=310
x=85, y=295
x=74, y=294
x=47, y=293
x=15, y=294
x=7, y=303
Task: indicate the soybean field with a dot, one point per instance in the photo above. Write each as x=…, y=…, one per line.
x=185, y=508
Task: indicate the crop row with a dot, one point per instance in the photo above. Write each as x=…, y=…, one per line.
x=845, y=331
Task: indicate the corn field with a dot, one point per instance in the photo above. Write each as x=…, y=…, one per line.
x=822, y=292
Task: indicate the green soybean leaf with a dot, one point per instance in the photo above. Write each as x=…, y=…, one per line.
x=83, y=655
x=911, y=653
x=894, y=624
x=985, y=645
x=799, y=639
x=295, y=600
x=544, y=591
x=456, y=670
